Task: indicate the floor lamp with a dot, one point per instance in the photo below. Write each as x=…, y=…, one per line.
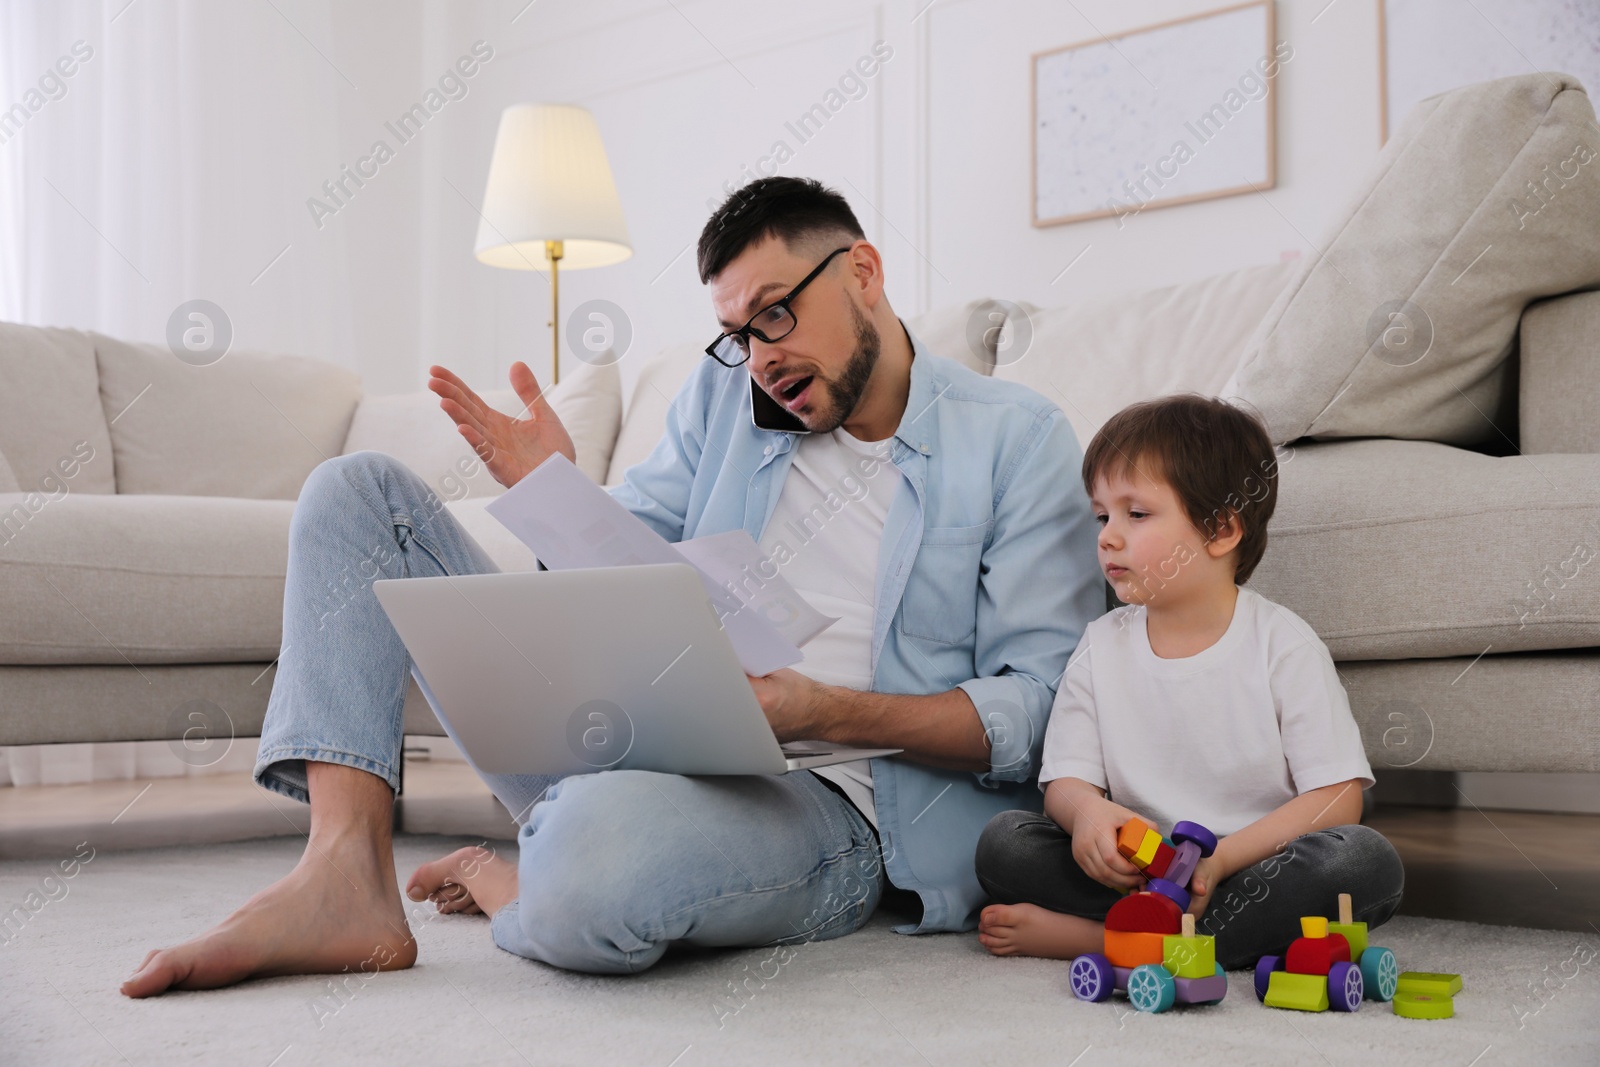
x=551, y=203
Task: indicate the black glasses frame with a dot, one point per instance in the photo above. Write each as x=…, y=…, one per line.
x=745, y=332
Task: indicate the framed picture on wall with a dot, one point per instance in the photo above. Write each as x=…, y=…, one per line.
x=1167, y=114
x=1430, y=46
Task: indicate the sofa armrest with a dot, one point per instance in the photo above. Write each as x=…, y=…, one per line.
x=1559, y=388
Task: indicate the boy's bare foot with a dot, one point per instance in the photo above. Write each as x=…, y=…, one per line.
x=1029, y=930
x=472, y=881
x=338, y=909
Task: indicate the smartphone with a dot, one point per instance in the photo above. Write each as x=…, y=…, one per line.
x=767, y=414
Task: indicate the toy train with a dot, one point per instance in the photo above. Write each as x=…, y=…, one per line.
x=1151, y=950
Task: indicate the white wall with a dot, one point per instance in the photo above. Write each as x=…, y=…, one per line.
x=181, y=160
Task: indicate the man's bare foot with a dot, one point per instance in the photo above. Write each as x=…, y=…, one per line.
x=472, y=881
x=331, y=913
x=338, y=910
x=1029, y=930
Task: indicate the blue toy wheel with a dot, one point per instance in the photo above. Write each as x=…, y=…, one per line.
x=1220, y=974
x=1091, y=977
x=1264, y=968
x=1380, y=973
x=1345, y=987
x=1151, y=988
x=1196, y=834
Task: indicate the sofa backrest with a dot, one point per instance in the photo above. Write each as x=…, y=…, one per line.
x=1093, y=359
x=1558, y=399
x=947, y=331
x=53, y=428
x=412, y=428
x=248, y=425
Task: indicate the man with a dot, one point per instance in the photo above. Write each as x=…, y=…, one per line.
x=935, y=511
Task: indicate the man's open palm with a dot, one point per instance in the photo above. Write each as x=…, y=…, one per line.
x=509, y=447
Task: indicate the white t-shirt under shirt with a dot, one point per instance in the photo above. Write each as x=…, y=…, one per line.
x=824, y=535
x=1222, y=737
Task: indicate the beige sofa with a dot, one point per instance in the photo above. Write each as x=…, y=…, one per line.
x=1438, y=519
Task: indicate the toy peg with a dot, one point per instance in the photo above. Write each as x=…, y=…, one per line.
x=1346, y=913
x=1313, y=926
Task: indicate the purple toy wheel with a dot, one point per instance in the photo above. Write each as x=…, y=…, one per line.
x=1345, y=987
x=1091, y=977
x=1204, y=839
x=1264, y=968
x=1172, y=891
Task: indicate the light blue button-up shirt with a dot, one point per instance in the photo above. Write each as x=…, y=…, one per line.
x=987, y=577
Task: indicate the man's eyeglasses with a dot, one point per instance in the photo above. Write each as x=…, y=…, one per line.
x=772, y=323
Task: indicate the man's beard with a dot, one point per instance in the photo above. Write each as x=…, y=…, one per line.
x=844, y=392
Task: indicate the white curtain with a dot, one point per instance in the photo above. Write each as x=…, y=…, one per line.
x=160, y=151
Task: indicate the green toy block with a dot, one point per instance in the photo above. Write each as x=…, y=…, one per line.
x=1429, y=983
x=1302, y=992
x=1189, y=957
x=1424, y=1006
x=1355, y=933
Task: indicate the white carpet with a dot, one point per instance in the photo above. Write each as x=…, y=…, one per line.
x=873, y=997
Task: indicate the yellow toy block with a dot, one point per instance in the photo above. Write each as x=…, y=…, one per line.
x=1130, y=837
x=1354, y=932
x=1313, y=926
x=1188, y=955
x=1429, y=983
x=1147, y=849
x=1302, y=992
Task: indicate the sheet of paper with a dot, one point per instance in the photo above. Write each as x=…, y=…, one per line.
x=736, y=564
x=570, y=522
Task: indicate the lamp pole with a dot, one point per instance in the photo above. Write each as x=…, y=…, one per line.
x=553, y=252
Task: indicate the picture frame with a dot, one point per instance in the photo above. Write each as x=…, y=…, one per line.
x=1102, y=130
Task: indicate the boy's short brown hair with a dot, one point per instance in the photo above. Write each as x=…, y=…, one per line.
x=1217, y=458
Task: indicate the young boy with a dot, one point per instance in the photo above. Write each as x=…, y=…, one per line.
x=1199, y=700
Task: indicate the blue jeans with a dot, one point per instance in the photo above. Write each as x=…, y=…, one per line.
x=614, y=866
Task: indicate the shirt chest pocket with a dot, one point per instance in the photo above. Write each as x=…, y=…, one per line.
x=940, y=602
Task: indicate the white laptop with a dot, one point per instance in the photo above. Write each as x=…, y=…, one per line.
x=562, y=672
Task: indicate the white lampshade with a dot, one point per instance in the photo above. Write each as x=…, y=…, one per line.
x=549, y=181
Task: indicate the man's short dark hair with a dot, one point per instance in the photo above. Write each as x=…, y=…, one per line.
x=1217, y=457
x=797, y=210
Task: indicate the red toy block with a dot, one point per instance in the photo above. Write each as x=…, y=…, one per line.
x=1130, y=948
x=1316, y=955
x=1157, y=867
x=1149, y=913
x=1131, y=836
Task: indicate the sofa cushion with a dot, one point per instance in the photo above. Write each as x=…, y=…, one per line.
x=1094, y=359
x=1487, y=198
x=645, y=417
x=412, y=428
x=248, y=425
x=51, y=420
x=1395, y=549
x=1559, y=390
x=96, y=578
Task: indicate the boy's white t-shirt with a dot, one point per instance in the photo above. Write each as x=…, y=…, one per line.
x=824, y=536
x=1222, y=737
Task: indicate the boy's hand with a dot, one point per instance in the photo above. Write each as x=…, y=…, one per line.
x=1094, y=842
x=1208, y=874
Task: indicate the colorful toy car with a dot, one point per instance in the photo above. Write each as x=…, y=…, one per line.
x=1329, y=966
x=1151, y=950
